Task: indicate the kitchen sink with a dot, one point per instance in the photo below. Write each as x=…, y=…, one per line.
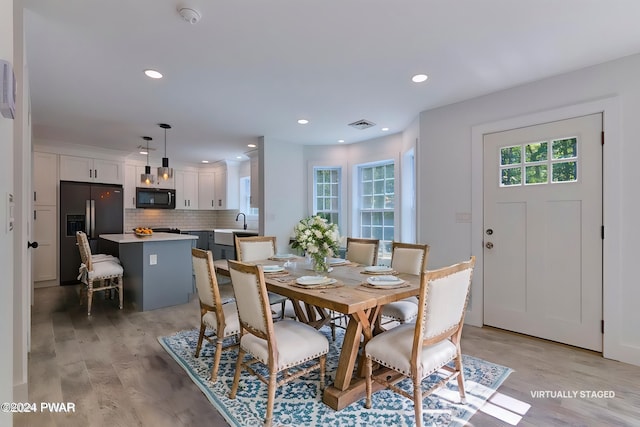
x=225, y=236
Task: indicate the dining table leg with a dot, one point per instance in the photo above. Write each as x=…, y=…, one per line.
x=345, y=389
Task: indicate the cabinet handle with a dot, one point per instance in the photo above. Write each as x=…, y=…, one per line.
x=90, y=173
x=34, y=215
x=212, y=204
x=95, y=173
x=35, y=197
x=133, y=199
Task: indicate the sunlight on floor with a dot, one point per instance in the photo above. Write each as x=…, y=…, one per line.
x=505, y=408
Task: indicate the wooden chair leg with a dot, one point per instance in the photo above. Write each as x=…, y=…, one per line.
x=89, y=297
x=417, y=401
x=236, y=376
x=216, y=360
x=120, y=294
x=200, y=337
x=323, y=365
x=368, y=373
x=271, y=396
x=458, y=365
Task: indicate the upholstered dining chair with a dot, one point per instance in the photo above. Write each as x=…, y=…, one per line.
x=409, y=258
x=278, y=345
x=359, y=251
x=256, y=248
x=98, y=272
x=221, y=319
x=362, y=251
x=419, y=350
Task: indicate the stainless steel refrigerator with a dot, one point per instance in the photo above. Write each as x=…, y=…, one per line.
x=93, y=208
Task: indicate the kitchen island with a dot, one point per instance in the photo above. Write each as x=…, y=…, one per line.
x=157, y=268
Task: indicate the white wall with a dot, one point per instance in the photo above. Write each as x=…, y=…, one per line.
x=446, y=179
x=6, y=237
x=283, y=200
x=389, y=147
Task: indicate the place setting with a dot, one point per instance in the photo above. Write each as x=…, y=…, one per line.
x=378, y=269
x=316, y=282
x=274, y=270
x=384, y=282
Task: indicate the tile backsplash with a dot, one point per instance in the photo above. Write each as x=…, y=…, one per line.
x=183, y=219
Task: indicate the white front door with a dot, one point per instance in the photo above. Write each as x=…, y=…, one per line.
x=542, y=231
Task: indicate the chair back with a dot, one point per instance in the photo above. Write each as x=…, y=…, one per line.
x=252, y=299
x=85, y=249
x=444, y=294
x=362, y=251
x=206, y=281
x=255, y=248
x=409, y=258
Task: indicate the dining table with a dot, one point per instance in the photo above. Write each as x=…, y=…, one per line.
x=352, y=292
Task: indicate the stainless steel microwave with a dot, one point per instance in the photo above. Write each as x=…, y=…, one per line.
x=155, y=198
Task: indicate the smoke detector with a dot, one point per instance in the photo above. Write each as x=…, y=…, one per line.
x=190, y=15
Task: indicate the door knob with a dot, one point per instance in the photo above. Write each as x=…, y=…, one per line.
x=489, y=245
x=33, y=245
x=489, y=231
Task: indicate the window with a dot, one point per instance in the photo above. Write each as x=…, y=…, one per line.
x=326, y=193
x=539, y=163
x=377, y=204
x=245, y=197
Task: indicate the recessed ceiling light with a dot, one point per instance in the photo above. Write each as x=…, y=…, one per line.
x=153, y=74
x=144, y=152
x=205, y=161
x=251, y=145
x=303, y=121
x=384, y=129
x=419, y=78
x=238, y=157
x=341, y=141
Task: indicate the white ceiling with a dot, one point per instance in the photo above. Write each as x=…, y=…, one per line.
x=251, y=68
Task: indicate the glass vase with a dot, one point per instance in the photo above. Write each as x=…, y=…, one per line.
x=320, y=265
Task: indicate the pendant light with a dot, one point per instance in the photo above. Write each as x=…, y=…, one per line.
x=165, y=171
x=146, y=177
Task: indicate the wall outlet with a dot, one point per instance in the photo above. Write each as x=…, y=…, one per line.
x=153, y=259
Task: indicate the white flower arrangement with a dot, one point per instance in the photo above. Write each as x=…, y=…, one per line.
x=318, y=238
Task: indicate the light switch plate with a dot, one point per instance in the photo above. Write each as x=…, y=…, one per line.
x=153, y=259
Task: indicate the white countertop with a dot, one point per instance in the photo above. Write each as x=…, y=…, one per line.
x=155, y=237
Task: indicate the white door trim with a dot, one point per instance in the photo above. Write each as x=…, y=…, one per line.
x=613, y=347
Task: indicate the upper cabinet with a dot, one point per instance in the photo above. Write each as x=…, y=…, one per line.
x=227, y=185
x=45, y=178
x=206, y=190
x=85, y=169
x=186, y=189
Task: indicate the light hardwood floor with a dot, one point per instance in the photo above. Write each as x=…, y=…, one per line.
x=117, y=374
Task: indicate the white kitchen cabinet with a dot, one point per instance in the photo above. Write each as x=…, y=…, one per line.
x=131, y=180
x=44, y=232
x=227, y=186
x=85, y=169
x=256, y=194
x=206, y=190
x=45, y=208
x=45, y=178
x=186, y=189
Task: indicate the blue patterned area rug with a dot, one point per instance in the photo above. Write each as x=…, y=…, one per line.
x=299, y=403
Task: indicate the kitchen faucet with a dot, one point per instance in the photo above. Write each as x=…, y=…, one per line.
x=244, y=217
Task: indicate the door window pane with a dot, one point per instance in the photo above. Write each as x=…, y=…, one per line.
x=565, y=172
x=536, y=174
x=565, y=148
x=536, y=152
x=511, y=176
x=510, y=155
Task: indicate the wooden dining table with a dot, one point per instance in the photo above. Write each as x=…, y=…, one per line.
x=359, y=303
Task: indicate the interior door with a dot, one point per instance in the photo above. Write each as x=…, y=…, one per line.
x=542, y=225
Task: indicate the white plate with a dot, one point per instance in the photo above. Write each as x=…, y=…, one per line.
x=314, y=280
x=384, y=280
x=284, y=256
x=333, y=261
x=378, y=269
x=272, y=268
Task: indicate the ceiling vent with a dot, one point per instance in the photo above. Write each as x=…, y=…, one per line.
x=362, y=124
